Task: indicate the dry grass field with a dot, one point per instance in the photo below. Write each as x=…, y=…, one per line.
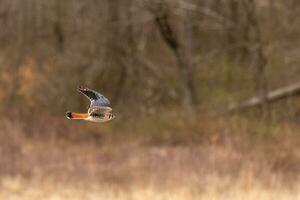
x=221, y=164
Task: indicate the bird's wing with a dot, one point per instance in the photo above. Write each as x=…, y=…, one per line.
x=96, y=98
x=99, y=109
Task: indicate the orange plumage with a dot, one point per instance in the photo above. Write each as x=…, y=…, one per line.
x=74, y=115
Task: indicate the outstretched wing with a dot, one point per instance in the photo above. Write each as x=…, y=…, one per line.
x=99, y=109
x=96, y=98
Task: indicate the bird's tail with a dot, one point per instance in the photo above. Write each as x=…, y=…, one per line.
x=74, y=115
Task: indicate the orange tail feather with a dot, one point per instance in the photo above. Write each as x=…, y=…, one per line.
x=74, y=115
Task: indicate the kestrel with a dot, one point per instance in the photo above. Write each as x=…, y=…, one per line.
x=99, y=109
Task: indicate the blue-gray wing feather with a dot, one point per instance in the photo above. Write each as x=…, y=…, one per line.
x=96, y=98
x=101, y=101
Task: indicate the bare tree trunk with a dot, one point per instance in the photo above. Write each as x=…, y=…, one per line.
x=232, y=31
x=260, y=60
x=60, y=38
x=182, y=49
x=186, y=66
x=19, y=55
x=120, y=43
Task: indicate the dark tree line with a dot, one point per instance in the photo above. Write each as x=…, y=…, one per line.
x=163, y=52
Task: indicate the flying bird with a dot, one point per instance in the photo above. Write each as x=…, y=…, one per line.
x=99, y=109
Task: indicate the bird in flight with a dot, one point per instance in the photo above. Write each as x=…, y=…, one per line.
x=99, y=109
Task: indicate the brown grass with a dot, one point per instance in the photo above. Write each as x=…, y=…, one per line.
x=70, y=161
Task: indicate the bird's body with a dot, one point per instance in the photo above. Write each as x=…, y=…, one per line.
x=99, y=109
x=94, y=117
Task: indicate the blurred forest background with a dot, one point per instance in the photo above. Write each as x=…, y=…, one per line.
x=177, y=73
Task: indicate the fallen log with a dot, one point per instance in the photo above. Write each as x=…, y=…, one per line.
x=272, y=96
